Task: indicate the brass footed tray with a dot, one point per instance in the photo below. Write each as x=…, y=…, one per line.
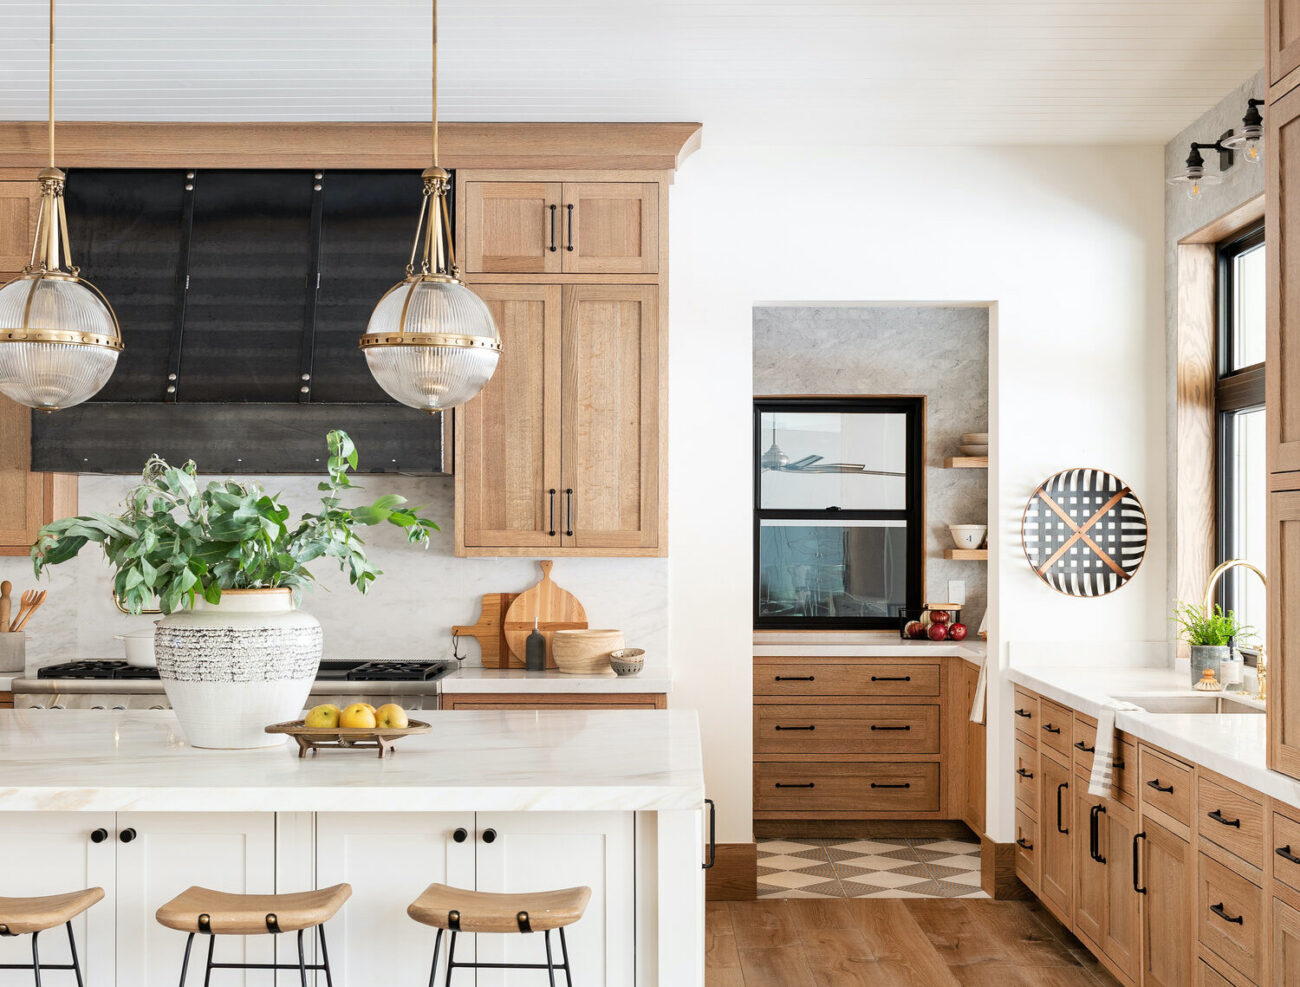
x=381, y=739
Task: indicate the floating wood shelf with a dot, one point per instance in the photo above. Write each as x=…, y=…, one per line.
x=966, y=463
x=967, y=554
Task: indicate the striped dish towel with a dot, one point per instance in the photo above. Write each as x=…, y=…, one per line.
x=1102, y=780
x=981, y=687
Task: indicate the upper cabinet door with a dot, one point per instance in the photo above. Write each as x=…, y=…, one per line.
x=1282, y=219
x=611, y=415
x=611, y=228
x=1283, y=638
x=509, y=435
x=19, y=202
x=512, y=228
x=1283, y=39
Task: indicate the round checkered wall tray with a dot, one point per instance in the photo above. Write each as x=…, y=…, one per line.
x=1084, y=532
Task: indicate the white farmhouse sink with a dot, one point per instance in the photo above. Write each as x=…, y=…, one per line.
x=1192, y=704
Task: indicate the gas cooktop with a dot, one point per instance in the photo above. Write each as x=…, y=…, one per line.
x=352, y=670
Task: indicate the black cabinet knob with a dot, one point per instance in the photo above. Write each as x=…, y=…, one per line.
x=461, y=835
x=489, y=836
x=99, y=835
x=127, y=835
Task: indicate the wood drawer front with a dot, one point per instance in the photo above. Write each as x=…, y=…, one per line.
x=1233, y=821
x=1230, y=917
x=808, y=678
x=1084, y=743
x=1025, y=713
x=1165, y=784
x=1026, y=777
x=1286, y=851
x=1055, y=729
x=846, y=786
x=879, y=729
x=1026, y=848
x=1207, y=976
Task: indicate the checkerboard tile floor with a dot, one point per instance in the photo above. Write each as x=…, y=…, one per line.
x=877, y=868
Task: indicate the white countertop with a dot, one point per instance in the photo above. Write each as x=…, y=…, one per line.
x=519, y=680
x=861, y=644
x=621, y=760
x=7, y=682
x=1233, y=744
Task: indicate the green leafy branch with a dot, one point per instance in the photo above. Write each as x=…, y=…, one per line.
x=1213, y=629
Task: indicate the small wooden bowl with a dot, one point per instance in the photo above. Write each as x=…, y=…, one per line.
x=585, y=652
x=347, y=738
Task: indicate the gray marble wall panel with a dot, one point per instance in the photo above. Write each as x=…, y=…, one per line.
x=939, y=351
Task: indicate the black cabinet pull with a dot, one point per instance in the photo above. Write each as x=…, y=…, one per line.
x=906, y=784
x=1081, y=746
x=713, y=834
x=127, y=835
x=779, y=727
x=1051, y=729
x=1094, y=835
x=551, y=492
x=1217, y=816
x=569, y=207
x=489, y=836
x=875, y=727
x=1023, y=843
x=568, y=511
x=99, y=835
x=1064, y=831
x=1285, y=853
x=1117, y=765
x=1024, y=713
x=1023, y=773
x=891, y=678
x=1220, y=911
x=1155, y=783
x=807, y=784
x=1137, y=887
x=461, y=835
x=795, y=678
x=551, y=248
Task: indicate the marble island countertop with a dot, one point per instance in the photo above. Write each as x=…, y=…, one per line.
x=620, y=760
x=861, y=644
x=1233, y=744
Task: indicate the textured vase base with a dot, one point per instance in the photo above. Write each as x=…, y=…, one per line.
x=234, y=715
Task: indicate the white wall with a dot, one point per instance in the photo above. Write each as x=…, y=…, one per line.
x=1066, y=245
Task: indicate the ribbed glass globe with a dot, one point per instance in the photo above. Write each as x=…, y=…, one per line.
x=432, y=343
x=71, y=343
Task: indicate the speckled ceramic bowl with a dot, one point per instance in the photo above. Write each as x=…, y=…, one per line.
x=627, y=661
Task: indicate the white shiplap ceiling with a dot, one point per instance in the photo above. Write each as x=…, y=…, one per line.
x=872, y=72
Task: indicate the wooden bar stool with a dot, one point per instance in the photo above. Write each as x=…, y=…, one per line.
x=32, y=916
x=219, y=913
x=454, y=910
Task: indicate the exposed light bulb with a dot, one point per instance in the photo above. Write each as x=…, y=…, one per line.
x=1252, y=152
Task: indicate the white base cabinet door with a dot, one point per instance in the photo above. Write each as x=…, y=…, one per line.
x=389, y=859
x=50, y=853
x=169, y=852
x=542, y=851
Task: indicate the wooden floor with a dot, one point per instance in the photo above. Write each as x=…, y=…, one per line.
x=893, y=942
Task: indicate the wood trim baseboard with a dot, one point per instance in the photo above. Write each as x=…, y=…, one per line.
x=998, y=872
x=862, y=829
x=734, y=875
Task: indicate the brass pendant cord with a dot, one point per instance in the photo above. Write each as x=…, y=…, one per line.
x=51, y=113
x=435, y=83
x=433, y=239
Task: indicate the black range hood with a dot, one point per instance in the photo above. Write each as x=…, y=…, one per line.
x=241, y=296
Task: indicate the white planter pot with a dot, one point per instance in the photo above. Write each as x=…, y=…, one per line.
x=232, y=669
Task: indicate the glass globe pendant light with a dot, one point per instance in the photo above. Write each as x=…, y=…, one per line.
x=431, y=343
x=59, y=337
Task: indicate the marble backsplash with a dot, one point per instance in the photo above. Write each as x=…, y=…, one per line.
x=407, y=613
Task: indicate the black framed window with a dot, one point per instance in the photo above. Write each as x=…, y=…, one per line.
x=1241, y=442
x=839, y=516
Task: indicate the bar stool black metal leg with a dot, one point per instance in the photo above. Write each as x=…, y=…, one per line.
x=564, y=949
x=76, y=965
x=36, y=959
x=437, y=945
x=325, y=957
x=302, y=961
x=550, y=963
x=185, y=963
x=451, y=955
x=207, y=973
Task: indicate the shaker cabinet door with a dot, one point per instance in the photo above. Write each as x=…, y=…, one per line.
x=1283, y=39
x=20, y=199
x=611, y=228
x=1165, y=871
x=1055, y=829
x=1283, y=633
x=1282, y=265
x=512, y=228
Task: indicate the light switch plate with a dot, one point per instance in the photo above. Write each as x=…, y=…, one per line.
x=957, y=591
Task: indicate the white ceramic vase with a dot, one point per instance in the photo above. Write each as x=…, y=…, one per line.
x=232, y=669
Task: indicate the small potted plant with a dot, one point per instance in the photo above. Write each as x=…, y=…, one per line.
x=227, y=567
x=1208, y=635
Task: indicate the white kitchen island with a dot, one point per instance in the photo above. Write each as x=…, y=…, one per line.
x=499, y=801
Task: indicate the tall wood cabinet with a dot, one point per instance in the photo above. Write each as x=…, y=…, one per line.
x=1283, y=44
x=564, y=451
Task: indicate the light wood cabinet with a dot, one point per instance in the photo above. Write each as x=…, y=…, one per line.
x=554, y=700
x=27, y=500
x=1091, y=866
x=1283, y=632
x=1056, y=850
x=513, y=227
x=1282, y=219
x=1286, y=944
x=20, y=199
x=1283, y=51
x=975, y=744
x=1120, y=941
x=1167, y=873
x=611, y=227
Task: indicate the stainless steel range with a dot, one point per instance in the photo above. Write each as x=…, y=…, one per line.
x=411, y=683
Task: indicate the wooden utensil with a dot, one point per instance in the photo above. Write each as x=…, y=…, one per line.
x=5, y=605
x=553, y=609
x=31, y=602
x=490, y=629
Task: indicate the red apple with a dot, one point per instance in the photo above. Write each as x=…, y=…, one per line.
x=914, y=629
x=957, y=632
x=938, y=632
x=939, y=616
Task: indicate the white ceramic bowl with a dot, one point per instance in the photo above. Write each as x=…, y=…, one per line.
x=968, y=535
x=138, y=646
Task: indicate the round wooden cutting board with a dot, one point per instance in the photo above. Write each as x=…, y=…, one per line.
x=554, y=609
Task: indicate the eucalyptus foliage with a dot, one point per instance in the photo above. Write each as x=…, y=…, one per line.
x=175, y=541
x=1213, y=629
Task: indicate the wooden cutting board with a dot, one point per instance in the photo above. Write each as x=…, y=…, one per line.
x=553, y=608
x=490, y=629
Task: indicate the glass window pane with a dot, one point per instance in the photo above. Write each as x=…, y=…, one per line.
x=832, y=568
x=1247, y=534
x=855, y=461
x=1248, y=302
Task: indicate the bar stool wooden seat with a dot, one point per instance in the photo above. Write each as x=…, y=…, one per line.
x=202, y=911
x=454, y=910
x=32, y=916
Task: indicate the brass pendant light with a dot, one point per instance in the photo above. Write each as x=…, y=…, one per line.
x=431, y=343
x=59, y=337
